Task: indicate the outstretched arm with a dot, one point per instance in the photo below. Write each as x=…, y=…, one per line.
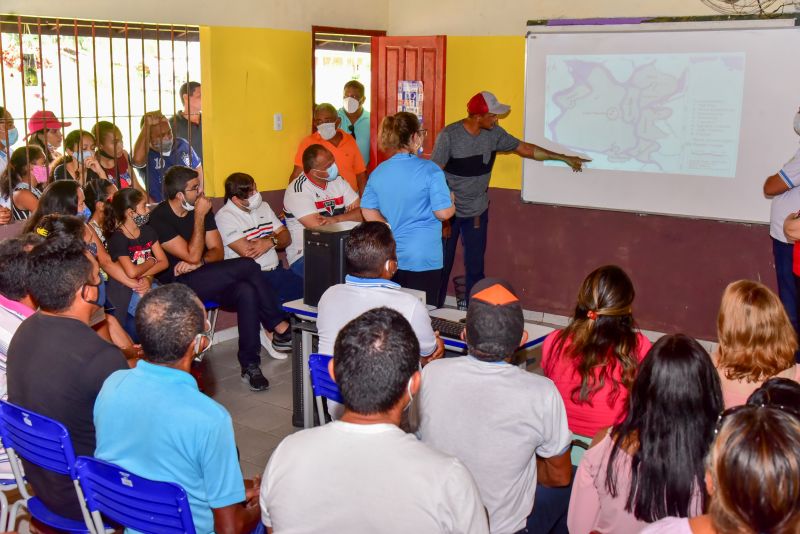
x=529, y=150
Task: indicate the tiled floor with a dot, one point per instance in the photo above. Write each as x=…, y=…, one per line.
x=260, y=419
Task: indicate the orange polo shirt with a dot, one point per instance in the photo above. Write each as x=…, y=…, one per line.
x=347, y=156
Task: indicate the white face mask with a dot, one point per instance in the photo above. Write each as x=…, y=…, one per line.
x=350, y=104
x=327, y=130
x=797, y=123
x=185, y=205
x=254, y=201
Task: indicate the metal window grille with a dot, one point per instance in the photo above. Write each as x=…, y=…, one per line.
x=86, y=71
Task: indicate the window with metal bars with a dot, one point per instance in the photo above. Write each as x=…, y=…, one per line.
x=87, y=71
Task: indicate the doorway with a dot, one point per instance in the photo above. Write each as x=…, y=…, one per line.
x=341, y=55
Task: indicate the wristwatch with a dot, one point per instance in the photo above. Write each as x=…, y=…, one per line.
x=274, y=241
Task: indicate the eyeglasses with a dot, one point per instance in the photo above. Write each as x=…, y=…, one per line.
x=194, y=189
x=423, y=132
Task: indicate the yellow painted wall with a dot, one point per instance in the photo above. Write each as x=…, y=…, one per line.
x=495, y=64
x=248, y=75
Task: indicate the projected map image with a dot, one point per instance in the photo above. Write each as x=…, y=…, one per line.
x=661, y=113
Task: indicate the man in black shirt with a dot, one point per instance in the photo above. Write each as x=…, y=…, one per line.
x=188, y=234
x=56, y=362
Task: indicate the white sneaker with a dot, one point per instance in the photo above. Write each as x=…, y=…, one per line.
x=266, y=342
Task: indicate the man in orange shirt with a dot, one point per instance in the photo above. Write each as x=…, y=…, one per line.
x=342, y=145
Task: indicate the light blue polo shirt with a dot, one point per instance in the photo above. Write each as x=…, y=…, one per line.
x=360, y=131
x=407, y=190
x=154, y=421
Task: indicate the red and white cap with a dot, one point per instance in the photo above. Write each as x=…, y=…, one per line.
x=486, y=102
x=44, y=119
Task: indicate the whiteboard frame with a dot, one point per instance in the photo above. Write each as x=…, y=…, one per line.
x=639, y=25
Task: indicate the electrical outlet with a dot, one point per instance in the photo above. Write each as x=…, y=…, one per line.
x=277, y=122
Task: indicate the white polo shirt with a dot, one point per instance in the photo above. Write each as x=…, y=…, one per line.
x=303, y=197
x=788, y=202
x=342, y=303
x=494, y=417
x=235, y=223
x=343, y=477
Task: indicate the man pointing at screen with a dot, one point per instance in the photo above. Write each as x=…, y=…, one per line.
x=466, y=151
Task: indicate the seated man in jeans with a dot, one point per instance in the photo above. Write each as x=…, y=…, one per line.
x=507, y=425
x=153, y=420
x=250, y=229
x=188, y=233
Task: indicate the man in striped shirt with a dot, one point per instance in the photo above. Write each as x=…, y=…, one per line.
x=250, y=229
x=317, y=197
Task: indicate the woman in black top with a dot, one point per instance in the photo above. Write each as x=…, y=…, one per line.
x=132, y=243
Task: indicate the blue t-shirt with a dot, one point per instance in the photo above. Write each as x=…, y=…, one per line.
x=359, y=130
x=407, y=190
x=154, y=421
x=153, y=175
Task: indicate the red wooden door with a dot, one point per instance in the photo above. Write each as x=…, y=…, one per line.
x=407, y=58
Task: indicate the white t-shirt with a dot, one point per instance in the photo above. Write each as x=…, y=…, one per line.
x=234, y=223
x=343, y=477
x=787, y=202
x=494, y=417
x=342, y=303
x=303, y=197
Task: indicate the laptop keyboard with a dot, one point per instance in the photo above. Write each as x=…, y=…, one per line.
x=451, y=329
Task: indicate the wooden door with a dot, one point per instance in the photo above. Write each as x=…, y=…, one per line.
x=407, y=58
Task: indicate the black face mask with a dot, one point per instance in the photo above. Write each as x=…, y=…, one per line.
x=105, y=154
x=101, y=294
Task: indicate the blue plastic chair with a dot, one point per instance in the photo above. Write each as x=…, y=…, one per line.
x=321, y=383
x=132, y=501
x=44, y=442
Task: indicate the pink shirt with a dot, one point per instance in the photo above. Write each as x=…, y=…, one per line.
x=586, y=419
x=592, y=508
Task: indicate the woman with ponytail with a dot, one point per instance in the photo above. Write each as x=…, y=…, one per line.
x=411, y=194
x=98, y=194
x=594, y=360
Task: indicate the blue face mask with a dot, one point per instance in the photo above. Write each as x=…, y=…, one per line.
x=101, y=293
x=85, y=214
x=82, y=156
x=13, y=137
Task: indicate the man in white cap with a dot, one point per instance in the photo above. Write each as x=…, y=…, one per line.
x=466, y=150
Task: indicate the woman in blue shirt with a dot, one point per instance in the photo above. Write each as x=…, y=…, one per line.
x=411, y=194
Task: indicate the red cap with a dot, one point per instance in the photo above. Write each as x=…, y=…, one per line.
x=44, y=119
x=486, y=102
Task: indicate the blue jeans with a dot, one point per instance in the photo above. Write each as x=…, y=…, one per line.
x=787, y=290
x=287, y=285
x=298, y=266
x=473, y=233
x=550, y=507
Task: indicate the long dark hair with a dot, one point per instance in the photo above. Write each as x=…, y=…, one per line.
x=672, y=409
x=601, y=336
x=39, y=139
x=124, y=200
x=95, y=191
x=18, y=166
x=59, y=197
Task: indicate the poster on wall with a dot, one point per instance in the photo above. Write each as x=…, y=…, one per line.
x=409, y=97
